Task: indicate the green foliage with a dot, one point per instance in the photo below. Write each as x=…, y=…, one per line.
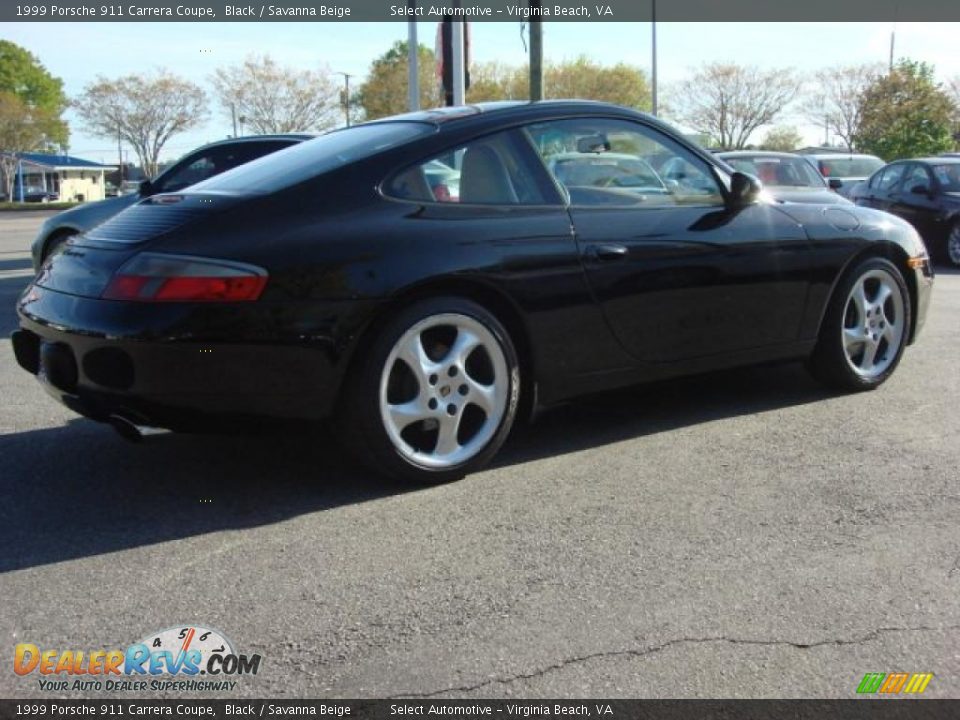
x=22, y=75
x=905, y=114
x=782, y=139
x=385, y=91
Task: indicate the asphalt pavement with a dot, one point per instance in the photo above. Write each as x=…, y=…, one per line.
x=743, y=534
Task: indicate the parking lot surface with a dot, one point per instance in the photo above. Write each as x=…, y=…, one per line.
x=744, y=534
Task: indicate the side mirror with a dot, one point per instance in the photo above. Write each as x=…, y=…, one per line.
x=835, y=183
x=146, y=188
x=744, y=189
x=920, y=190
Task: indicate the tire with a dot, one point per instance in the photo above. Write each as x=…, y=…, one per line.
x=435, y=395
x=865, y=328
x=951, y=248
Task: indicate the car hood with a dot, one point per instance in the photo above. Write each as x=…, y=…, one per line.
x=817, y=196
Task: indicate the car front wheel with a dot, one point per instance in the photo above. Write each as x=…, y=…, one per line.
x=953, y=245
x=865, y=328
x=436, y=395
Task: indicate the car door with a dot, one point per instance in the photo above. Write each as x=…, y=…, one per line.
x=880, y=197
x=677, y=274
x=915, y=199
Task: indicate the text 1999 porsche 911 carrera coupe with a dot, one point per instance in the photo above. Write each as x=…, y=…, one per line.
x=426, y=278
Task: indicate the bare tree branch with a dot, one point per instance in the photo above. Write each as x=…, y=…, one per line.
x=729, y=102
x=144, y=110
x=276, y=99
x=836, y=98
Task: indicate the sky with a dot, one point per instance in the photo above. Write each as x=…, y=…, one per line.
x=78, y=52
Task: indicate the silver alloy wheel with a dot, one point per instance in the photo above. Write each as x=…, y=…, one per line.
x=873, y=323
x=444, y=390
x=953, y=245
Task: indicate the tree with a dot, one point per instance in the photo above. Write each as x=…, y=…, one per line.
x=583, y=78
x=22, y=75
x=782, y=139
x=837, y=98
x=729, y=102
x=22, y=129
x=276, y=99
x=905, y=114
x=385, y=90
x=952, y=89
x=142, y=110
x=496, y=81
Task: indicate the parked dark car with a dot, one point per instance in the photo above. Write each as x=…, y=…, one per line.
x=787, y=177
x=926, y=193
x=327, y=280
x=198, y=165
x=36, y=194
x=844, y=171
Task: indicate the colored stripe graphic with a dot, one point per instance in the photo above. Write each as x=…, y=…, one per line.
x=918, y=683
x=894, y=683
x=871, y=682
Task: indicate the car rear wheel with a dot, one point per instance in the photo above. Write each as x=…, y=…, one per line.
x=56, y=244
x=437, y=393
x=953, y=245
x=865, y=328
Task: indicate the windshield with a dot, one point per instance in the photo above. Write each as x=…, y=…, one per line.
x=309, y=159
x=779, y=171
x=849, y=167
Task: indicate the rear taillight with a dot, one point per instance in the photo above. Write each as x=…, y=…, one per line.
x=156, y=277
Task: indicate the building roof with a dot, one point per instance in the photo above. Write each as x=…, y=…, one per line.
x=62, y=162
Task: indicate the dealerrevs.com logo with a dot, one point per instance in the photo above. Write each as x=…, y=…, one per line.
x=179, y=659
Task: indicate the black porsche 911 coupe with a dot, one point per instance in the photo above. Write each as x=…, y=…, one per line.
x=344, y=277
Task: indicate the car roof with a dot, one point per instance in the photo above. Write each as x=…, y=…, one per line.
x=840, y=156
x=757, y=153
x=501, y=108
x=289, y=137
x=941, y=160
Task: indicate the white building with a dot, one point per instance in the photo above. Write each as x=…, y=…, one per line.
x=70, y=178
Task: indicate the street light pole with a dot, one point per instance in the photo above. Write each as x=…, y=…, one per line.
x=346, y=95
x=653, y=64
x=413, y=61
x=536, y=52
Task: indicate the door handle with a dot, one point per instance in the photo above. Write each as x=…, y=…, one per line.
x=606, y=251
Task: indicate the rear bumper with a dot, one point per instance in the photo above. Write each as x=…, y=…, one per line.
x=174, y=378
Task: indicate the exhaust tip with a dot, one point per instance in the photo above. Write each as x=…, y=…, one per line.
x=126, y=429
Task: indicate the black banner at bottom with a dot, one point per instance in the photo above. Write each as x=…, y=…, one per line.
x=867, y=709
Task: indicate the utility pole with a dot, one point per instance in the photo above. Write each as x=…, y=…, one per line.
x=893, y=35
x=459, y=79
x=536, y=52
x=120, y=157
x=233, y=115
x=413, y=61
x=653, y=64
x=346, y=95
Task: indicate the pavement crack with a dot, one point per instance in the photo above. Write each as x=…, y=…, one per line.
x=653, y=649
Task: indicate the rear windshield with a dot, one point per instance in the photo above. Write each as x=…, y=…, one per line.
x=849, y=167
x=313, y=157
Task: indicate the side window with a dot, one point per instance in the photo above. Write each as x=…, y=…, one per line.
x=190, y=172
x=489, y=171
x=918, y=176
x=891, y=177
x=606, y=162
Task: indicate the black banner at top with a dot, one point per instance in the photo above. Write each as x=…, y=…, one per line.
x=479, y=10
